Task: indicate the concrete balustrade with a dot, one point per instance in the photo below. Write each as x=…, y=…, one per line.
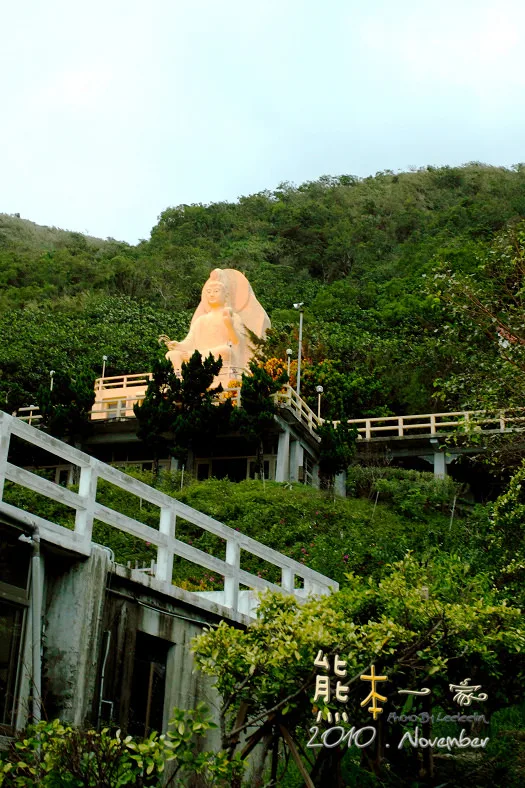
x=87, y=509
x=116, y=396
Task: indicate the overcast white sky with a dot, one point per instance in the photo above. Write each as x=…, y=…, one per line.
x=113, y=110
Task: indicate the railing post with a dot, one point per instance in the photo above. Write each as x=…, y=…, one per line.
x=231, y=584
x=87, y=490
x=287, y=579
x=400, y=426
x=502, y=422
x=368, y=429
x=311, y=588
x=164, y=569
x=5, y=436
x=432, y=424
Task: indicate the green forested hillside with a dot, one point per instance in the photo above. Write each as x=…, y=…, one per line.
x=359, y=252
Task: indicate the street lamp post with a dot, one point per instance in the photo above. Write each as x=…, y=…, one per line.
x=51, y=373
x=289, y=352
x=104, y=359
x=319, y=390
x=299, y=306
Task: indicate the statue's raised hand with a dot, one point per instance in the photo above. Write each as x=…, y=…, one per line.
x=170, y=343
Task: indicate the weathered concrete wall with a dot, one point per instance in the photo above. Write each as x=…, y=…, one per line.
x=75, y=592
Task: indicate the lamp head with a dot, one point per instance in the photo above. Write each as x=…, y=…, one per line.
x=299, y=305
x=289, y=351
x=319, y=389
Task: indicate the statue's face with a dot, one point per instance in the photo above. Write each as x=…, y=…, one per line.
x=216, y=294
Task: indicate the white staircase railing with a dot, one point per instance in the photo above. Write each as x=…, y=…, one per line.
x=87, y=509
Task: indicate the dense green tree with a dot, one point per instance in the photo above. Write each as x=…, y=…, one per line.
x=255, y=416
x=178, y=411
x=425, y=624
x=156, y=413
x=336, y=450
x=485, y=314
x=66, y=407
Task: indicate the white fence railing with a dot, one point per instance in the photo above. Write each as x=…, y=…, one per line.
x=429, y=424
x=303, y=413
x=123, y=381
x=87, y=509
x=378, y=428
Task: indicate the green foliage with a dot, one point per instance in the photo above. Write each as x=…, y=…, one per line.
x=256, y=414
x=411, y=493
x=337, y=448
x=156, y=413
x=60, y=756
x=464, y=628
x=66, y=407
x=483, y=316
x=71, y=336
x=354, y=250
x=177, y=411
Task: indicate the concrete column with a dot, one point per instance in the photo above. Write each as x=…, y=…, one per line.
x=282, y=468
x=440, y=464
x=340, y=484
x=296, y=460
x=316, y=482
x=75, y=596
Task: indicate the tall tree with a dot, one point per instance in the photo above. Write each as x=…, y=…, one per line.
x=65, y=407
x=177, y=411
x=256, y=413
x=156, y=413
x=336, y=450
x=484, y=317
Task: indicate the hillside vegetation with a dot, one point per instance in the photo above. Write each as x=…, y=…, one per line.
x=359, y=252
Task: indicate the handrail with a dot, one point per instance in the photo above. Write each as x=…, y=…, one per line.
x=87, y=509
x=289, y=398
x=373, y=428
x=433, y=423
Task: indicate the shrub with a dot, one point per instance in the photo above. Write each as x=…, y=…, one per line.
x=56, y=755
x=411, y=493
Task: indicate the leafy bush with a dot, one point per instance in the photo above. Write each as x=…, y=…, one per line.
x=59, y=756
x=411, y=493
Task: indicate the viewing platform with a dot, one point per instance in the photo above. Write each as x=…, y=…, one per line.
x=115, y=397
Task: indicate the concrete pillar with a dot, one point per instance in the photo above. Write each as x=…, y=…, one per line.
x=316, y=482
x=74, y=610
x=296, y=460
x=340, y=484
x=440, y=464
x=282, y=468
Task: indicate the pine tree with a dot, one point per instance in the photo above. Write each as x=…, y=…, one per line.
x=177, y=411
x=157, y=411
x=257, y=411
x=66, y=407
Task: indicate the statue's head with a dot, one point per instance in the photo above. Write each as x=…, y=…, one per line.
x=216, y=292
